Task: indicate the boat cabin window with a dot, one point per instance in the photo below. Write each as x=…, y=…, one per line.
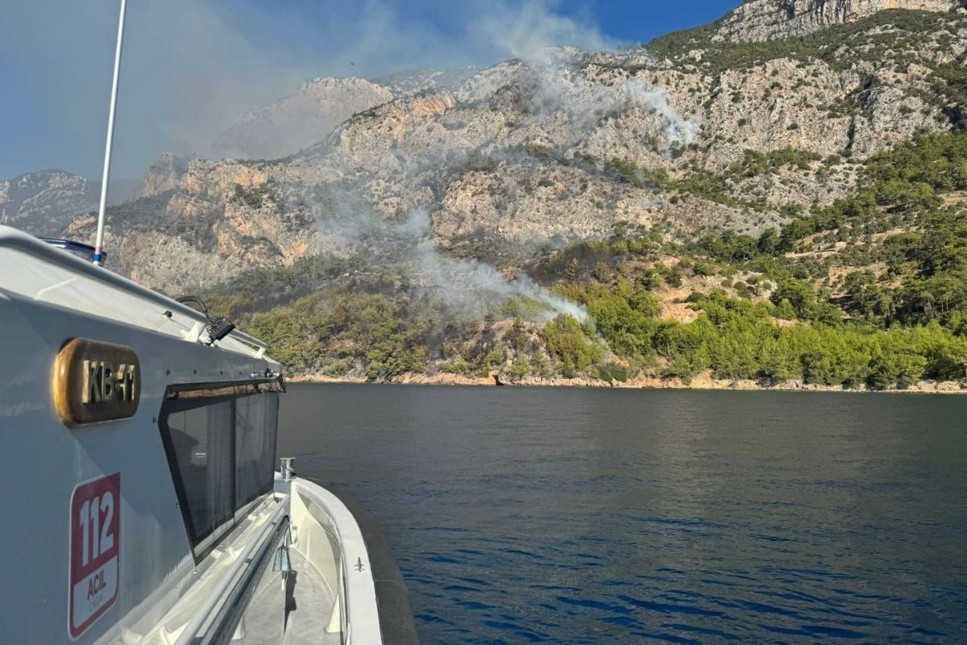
x=220, y=445
x=256, y=419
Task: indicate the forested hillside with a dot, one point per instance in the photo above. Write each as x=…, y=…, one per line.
x=870, y=291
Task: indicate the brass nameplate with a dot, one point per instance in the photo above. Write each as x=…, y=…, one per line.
x=96, y=381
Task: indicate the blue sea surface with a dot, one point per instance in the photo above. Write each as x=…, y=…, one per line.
x=570, y=515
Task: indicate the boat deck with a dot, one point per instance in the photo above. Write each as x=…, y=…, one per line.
x=309, y=606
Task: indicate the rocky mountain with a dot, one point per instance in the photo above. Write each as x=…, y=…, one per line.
x=45, y=201
x=163, y=176
x=760, y=20
x=528, y=156
x=786, y=163
x=408, y=83
x=288, y=125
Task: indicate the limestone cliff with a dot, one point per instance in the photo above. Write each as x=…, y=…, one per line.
x=759, y=20
x=163, y=175
x=697, y=131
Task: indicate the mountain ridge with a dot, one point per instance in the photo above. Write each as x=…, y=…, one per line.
x=761, y=20
x=761, y=209
x=519, y=155
x=44, y=202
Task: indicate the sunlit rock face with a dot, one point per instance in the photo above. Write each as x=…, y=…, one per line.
x=758, y=20
x=509, y=162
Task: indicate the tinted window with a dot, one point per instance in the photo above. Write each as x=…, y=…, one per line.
x=201, y=443
x=256, y=420
x=221, y=452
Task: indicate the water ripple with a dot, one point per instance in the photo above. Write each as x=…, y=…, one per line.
x=607, y=517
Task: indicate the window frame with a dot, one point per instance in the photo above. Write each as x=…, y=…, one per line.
x=189, y=396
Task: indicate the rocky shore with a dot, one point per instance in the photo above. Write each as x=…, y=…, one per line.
x=701, y=382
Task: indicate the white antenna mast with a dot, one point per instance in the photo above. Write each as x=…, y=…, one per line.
x=98, y=256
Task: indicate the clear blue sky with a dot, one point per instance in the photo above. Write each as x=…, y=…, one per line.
x=191, y=66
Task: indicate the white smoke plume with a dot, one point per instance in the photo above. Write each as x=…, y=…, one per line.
x=559, y=87
x=533, y=32
x=476, y=287
x=678, y=129
x=191, y=67
x=470, y=287
x=552, y=76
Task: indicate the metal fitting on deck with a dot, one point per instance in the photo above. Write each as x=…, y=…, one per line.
x=287, y=470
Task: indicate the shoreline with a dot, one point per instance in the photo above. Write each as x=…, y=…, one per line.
x=700, y=382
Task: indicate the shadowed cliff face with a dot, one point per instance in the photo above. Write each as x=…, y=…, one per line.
x=43, y=202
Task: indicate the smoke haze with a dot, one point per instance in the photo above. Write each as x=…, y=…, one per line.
x=348, y=226
x=475, y=287
x=556, y=86
x=193, y=66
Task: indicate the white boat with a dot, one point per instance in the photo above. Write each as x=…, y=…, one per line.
x=142, y=502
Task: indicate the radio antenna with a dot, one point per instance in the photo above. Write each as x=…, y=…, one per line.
x=98, y=255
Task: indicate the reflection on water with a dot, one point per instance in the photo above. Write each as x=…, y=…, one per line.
x=589, y=516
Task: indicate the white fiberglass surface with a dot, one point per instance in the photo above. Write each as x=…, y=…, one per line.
x=39, y=279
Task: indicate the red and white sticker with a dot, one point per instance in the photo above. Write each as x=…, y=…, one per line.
x=95, y=551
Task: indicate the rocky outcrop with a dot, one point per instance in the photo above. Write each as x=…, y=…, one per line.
x=220, y=219
x=759, y=20
x=295, y=122
x=163, y=175
x=43, y=202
